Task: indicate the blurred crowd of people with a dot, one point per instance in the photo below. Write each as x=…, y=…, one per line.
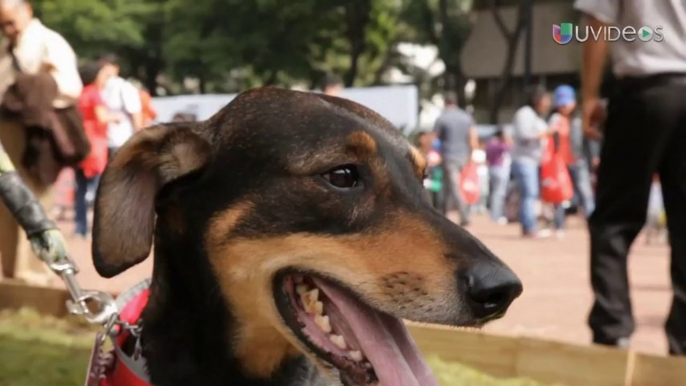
x=547, y=127
x=57, y=116
x=112, y=109
x=552, y=154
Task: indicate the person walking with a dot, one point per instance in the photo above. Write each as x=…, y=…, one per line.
x=575, y=148
x=571, y=145
x=499, y=162
x=122, y=98
x=644, y=134
x=28, y=51
x=95, y=119
x=457, y=132
x=528, y=132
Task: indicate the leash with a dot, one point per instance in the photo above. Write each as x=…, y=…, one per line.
x=120, y=318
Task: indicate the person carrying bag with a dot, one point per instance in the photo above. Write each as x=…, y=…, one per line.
x=39, y=127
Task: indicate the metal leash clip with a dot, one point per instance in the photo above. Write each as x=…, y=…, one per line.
x=50, y=247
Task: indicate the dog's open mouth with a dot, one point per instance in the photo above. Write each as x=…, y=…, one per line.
x=367, y=347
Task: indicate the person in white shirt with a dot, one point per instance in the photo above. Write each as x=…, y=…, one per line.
x=122, y=98
x=644, y=134
x=30, y=48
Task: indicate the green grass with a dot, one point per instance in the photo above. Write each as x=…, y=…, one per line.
x=44, y=351
x=456, y=374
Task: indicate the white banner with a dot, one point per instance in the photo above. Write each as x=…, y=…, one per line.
x=398, y=104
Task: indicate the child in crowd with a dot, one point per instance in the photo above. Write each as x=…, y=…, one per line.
x=498, y=159
x=569, y=144
x=434, y=179
x=95, y=119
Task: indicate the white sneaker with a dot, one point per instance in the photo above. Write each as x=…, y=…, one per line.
x=543, y=234
x=502, y=221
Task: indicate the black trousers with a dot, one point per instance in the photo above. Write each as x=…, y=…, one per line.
x=645, y=134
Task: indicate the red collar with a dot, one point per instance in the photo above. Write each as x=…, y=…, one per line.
x=125, y=370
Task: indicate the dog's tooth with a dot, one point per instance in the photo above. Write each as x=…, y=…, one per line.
x=318, y=308
x=323, y=323
x=339, y=341
x=356, y=356
x=312, y=295
x=301, y=289
x=310, y=301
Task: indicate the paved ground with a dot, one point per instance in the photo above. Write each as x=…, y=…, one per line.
x=556, y=295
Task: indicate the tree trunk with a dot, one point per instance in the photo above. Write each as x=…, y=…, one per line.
x=512, y=39
x=152, y=71
x=271, y=79
x=202, y=84
x=357, y=14
x=351, y=74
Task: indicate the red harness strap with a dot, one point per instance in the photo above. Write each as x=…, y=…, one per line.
x=121, y=373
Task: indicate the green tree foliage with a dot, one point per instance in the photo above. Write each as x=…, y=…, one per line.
x=445, y=24
x=275, y=41
x=92, y=26
x=229, y=45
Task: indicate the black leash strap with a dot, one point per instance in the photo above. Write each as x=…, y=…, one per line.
x=23, y=204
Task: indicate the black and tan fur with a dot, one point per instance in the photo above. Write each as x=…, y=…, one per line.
x=231, y=201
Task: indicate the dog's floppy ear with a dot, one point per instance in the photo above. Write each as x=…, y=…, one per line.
x=124, y=218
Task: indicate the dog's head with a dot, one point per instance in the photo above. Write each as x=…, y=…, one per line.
x=311, y=213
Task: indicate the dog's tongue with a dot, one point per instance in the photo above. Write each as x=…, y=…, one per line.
x=384, y=340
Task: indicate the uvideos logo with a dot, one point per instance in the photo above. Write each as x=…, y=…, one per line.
x=563, y=33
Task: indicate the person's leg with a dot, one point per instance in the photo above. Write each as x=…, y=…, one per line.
x=29, y=268
x=451, y=180
x=559, y=217
x=12, y=139
x=635, y=137
x=581, y=179
x=9, y=239
x=527, y=179
x=492, y=185
x=499, y=179
x=18, y=259
x=673, y=180
x=448, y=199
x=80, y=206
x=462, y=206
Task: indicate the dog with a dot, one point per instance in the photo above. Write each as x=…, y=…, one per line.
x=291, y=237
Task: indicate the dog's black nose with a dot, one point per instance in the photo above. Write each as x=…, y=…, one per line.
x=490, y=289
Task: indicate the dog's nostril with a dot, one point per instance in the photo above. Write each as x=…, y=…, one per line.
x=491, y=290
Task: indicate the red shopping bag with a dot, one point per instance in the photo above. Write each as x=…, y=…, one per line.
x=556, y=184
x=469, y=184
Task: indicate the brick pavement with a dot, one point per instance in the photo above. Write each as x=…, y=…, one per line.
x=556, y=295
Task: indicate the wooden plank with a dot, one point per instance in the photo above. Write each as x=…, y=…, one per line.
x=492, y=354
x=571, y=365
x=16, y=294
x=630, y=367
x=652, y=370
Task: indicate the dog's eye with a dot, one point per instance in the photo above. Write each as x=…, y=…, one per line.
x=344, y=177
